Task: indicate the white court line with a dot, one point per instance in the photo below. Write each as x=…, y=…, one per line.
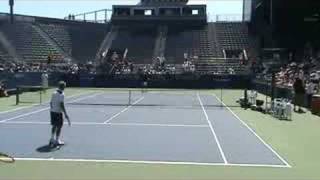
x=110, y=124
x=44, y=109
x=24, y=115
x=158, y=125
x=16, y=109
x=25, y=107
x=124, y=110
x=254, y=133
x=212, y=130
x=48, y=123
x=150, y=162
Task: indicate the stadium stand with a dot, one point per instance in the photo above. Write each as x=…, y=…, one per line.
x=86, y=39
x=232, y=35
x=59, y=33
x=80, y=40
x=191, y=40
x=139, y=41
x=214, y=65
x=29, y=44
x=4, y=56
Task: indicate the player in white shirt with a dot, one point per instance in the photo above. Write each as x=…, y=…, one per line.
x=44, y=79
x=57, y=109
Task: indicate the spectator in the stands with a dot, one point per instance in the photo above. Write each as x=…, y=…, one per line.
x=311, y=90
x=114, y=57
x=301, y=75
x=49, y=58
x=231, y=71
x=3, y=91
x=299, y=91
x=185, y=56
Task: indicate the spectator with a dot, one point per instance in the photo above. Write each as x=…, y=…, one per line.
x=185, y=56
x=114, y=57
x=299, y=91
x=311, y=89
x=3, y=91
x=49, y=58
x=44, y=79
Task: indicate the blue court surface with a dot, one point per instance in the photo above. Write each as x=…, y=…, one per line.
x=150, y=127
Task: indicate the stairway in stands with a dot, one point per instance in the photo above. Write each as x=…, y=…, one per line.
x=232, y=35
x=4, y=56
x=50, y=40
x=59, y=34
x=160, y=43
x=79, y=40
x=107, y=42
x=5, y=48
x=139, y=40
x=191, y=40
x=213, y=40
x=29, y=45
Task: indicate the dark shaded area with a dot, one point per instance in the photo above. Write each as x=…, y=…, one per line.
x=47, y=148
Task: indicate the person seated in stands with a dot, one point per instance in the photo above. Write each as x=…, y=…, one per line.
x=185, y=56
x=162, y=62
x=193, y=68
x=301, y=75
x=299, y=91
x=231, y=71
x=114, y=57
x=3, y=91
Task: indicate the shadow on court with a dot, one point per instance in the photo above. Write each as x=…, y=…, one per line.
x=47, y=148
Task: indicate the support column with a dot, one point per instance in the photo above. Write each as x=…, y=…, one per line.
x=11, y=4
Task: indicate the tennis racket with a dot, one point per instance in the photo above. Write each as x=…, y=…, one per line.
x=6, y=158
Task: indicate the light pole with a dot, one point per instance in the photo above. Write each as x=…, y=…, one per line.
x=11, y=4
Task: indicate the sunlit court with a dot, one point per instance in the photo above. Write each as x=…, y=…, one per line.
x=193, y=124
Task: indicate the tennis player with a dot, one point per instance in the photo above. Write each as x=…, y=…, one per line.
x=57, y=109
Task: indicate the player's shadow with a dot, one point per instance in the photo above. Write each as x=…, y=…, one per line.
x=46, y=149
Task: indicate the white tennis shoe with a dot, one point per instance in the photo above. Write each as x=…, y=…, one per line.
x=59, y=142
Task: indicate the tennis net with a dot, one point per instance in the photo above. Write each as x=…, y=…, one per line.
x=153, y=98
x=30, y=94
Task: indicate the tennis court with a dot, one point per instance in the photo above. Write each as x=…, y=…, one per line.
x=165, y=127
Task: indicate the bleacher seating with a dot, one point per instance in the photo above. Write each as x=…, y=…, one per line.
x=28, y=43
x=59, y=33
x=216, y=50
x=86, y=40
x=4, y=56
x=140, y=42
x=79, y=40
x=191, y=40
x=232, y=35
x=219, y=65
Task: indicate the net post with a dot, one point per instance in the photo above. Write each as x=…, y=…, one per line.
x=17, y=95
x=221, y=104
x=41, y=96
x=129, y=101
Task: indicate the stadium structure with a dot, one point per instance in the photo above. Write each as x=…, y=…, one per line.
x=159, y=29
